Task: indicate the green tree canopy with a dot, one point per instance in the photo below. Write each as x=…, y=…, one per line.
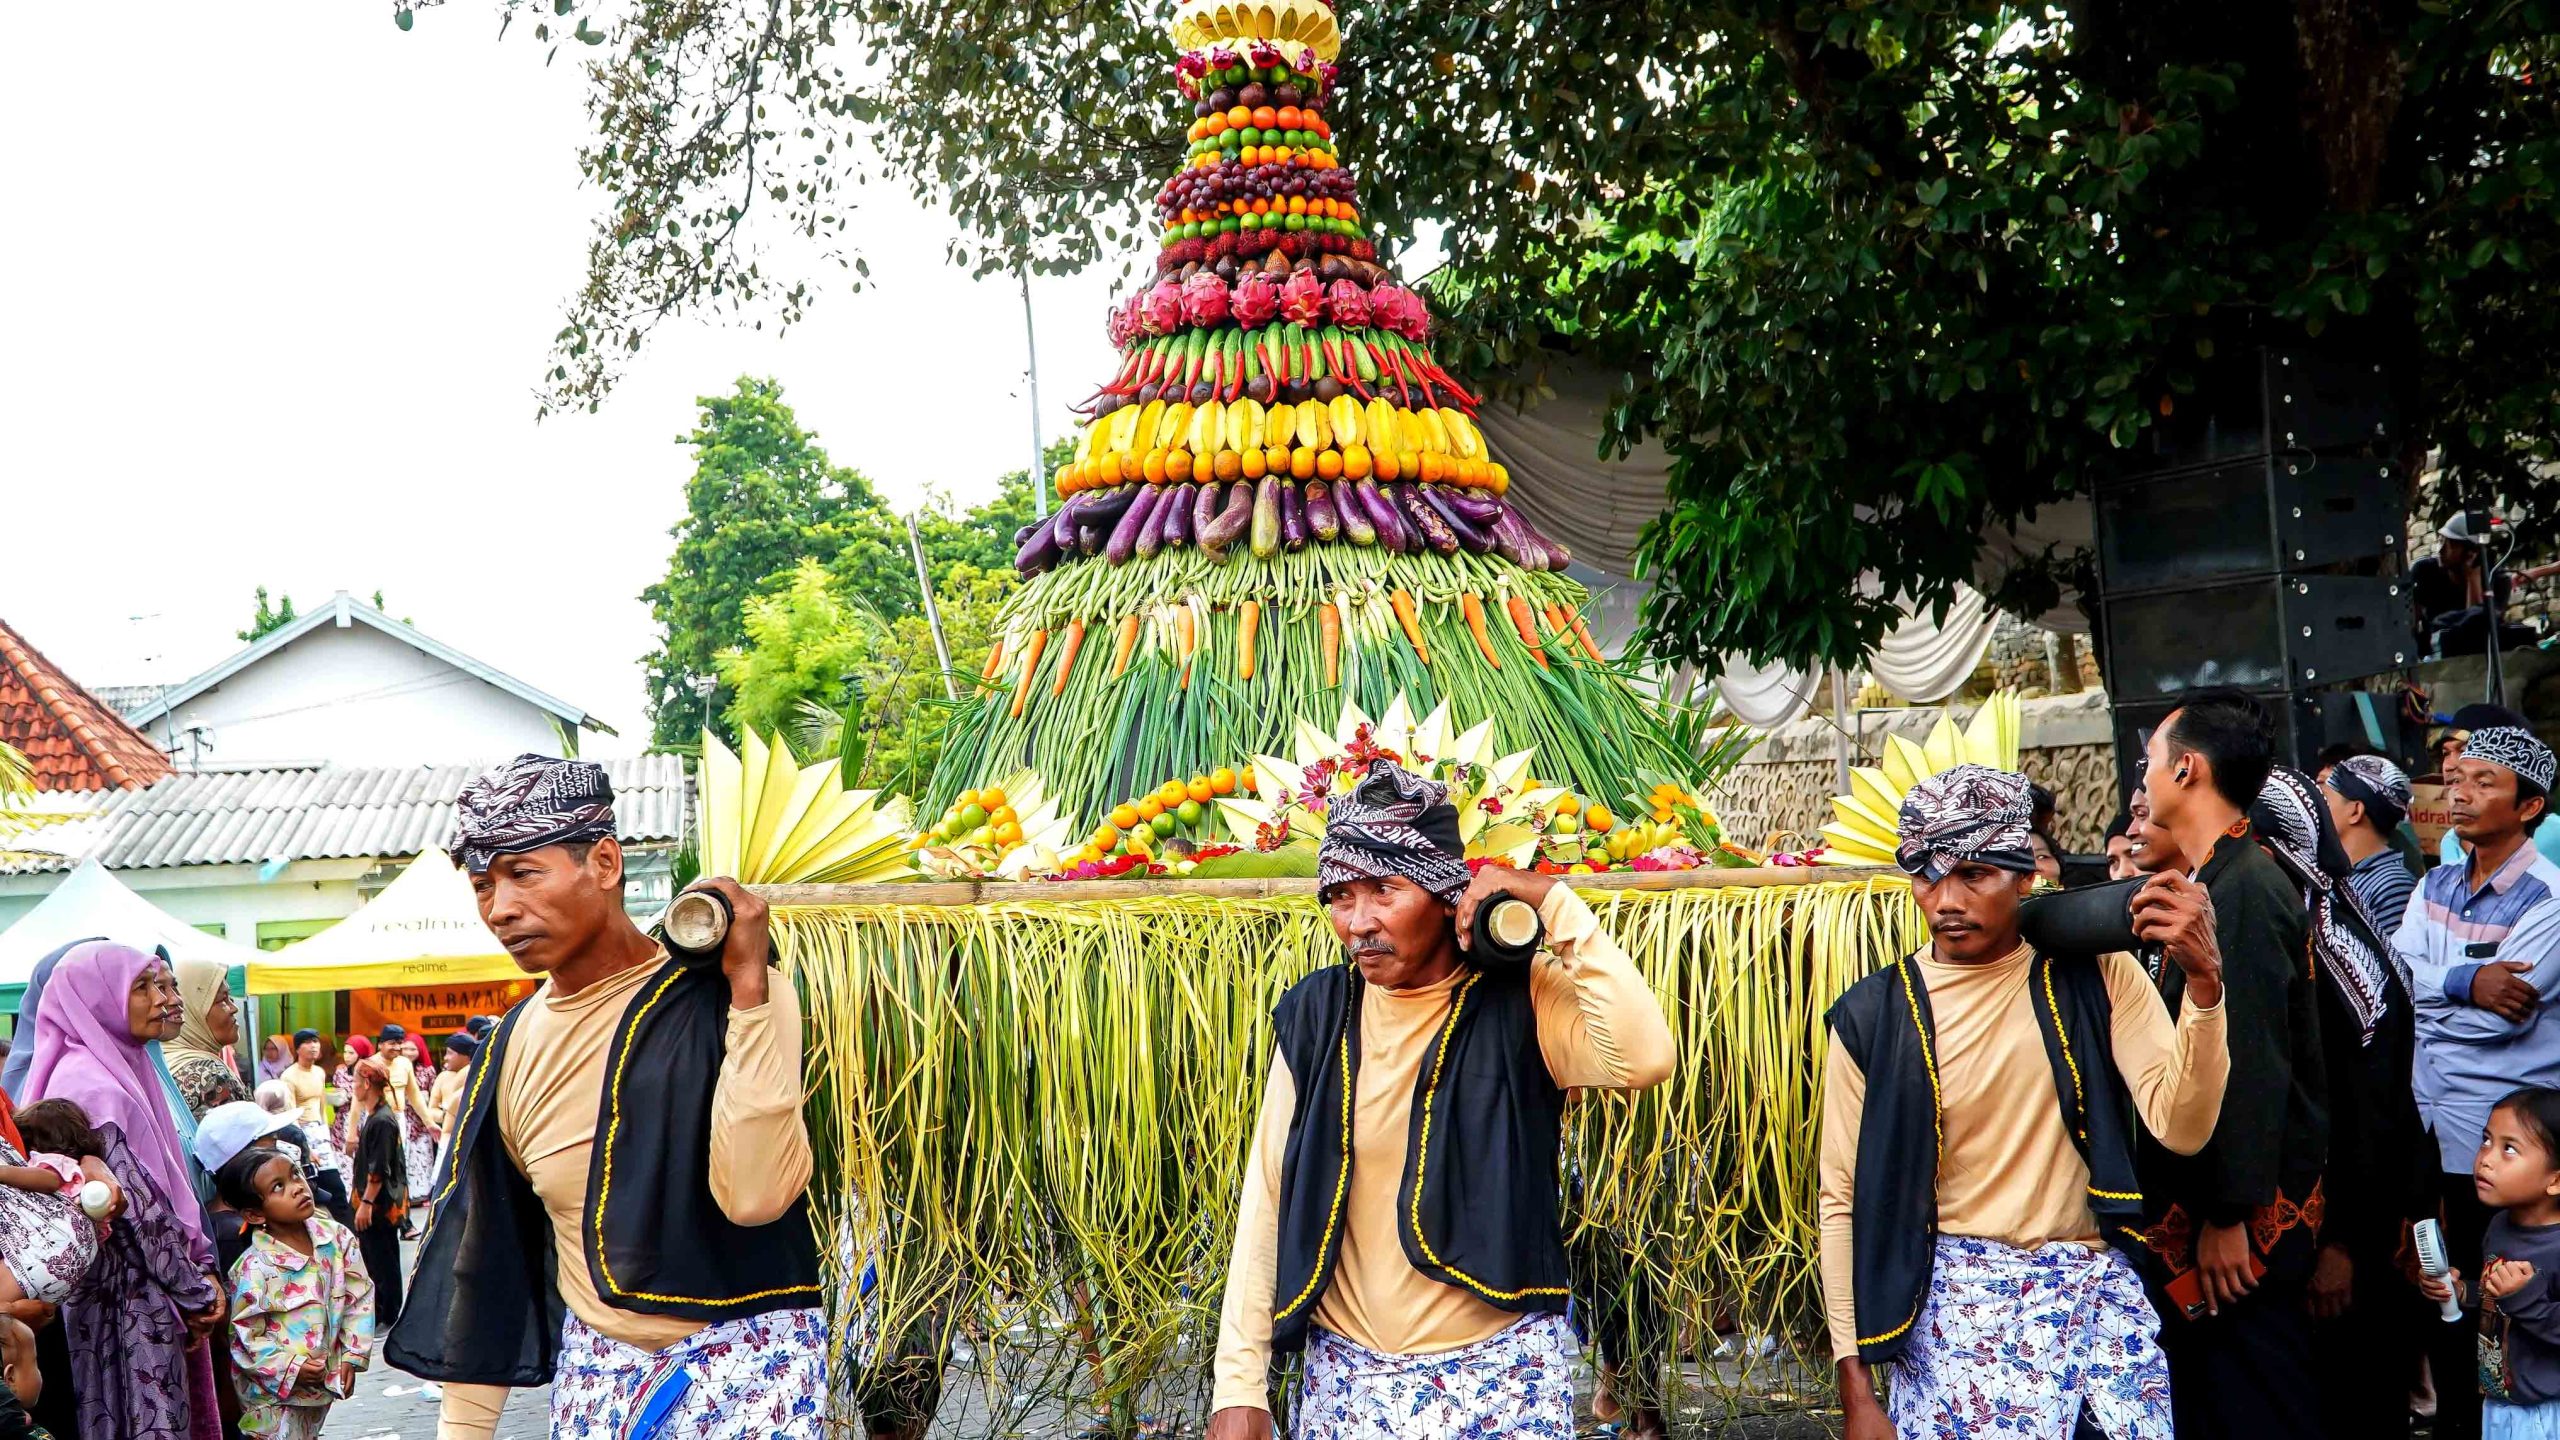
x=1877, y=276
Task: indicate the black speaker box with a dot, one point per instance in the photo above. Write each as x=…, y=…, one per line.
x=2272, y=401
x=2253, y=516
x=2288, y=632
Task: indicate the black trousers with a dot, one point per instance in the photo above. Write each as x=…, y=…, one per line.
x=2246, y=1373
x=2365, y=1361
x=2453, y=1351
x=380, y=1245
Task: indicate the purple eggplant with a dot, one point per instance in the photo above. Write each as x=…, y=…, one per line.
x=1354, y=514
x=1393, y=533
x=1426, y=522
x=1230, y=524
x=1478, y=508
x=1266, y=518
x=1474, y=537
x=1151, y=537
x=1090, y=540
x=1038, y=550
x=1133, y=523
x=1177, y=516
x=1513, y=544
x=1557, y=556
x=1293, y=517
x=1323, y=521
x=1022, y=536
x=1205, y=509
x=1062, y=526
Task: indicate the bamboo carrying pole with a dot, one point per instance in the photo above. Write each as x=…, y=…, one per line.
x=1009, y=892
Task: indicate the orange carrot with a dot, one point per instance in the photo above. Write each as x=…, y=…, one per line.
x=1471, y=606
x=1557, y=627
x=1412, y=622
x=1183, y=631
x=1330, y=620
x=1590, y=646
x=995, y=661
x=1250, y=622
x=1067, y=655
x=1128, y=642
x=1030, y=666
x=1527, y=625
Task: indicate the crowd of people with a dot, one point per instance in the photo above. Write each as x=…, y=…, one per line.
x=2176, y=1191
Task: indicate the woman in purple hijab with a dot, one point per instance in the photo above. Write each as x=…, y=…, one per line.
x=137, y=1344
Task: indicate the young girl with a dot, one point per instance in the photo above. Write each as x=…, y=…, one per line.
x=301, y=1301
x=2518, y=1174
x=382, y=1187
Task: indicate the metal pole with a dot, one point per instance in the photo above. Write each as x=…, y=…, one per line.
x=1039, y=470
x=1840, y=732
x=932, y=614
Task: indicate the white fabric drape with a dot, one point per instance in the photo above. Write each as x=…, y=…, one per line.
x=1923, y=660
x=1765, y=697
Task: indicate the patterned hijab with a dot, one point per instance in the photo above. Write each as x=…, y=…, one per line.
x=2290, y=818
x=1971, y=814
x=1393, y=823
x=527, y=803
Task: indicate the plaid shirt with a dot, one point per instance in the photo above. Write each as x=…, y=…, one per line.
x=2469, y=1057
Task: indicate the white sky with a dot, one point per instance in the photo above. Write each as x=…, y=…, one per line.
x=279, y=280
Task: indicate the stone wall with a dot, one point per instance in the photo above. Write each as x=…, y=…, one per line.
x=1786, y=784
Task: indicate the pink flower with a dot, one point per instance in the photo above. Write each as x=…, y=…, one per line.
x=1222, y=57
x=1302, y=299
x=1307, y=59
x=1347, y=303
x=1265, y=54
x=1255, y=301
x=1204, y=299
x=1162, y=308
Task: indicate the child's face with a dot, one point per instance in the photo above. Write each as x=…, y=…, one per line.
x=18, y=1360
x=2513, y=1168
x=282, y=1194
x=308, y=1052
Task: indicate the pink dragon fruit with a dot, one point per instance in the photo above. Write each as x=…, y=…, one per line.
x=1255, y=301
x=1264, y=54
x=1115, y=323
x=1302, y=299
x=1204, y=299
x=1395, y=308
x=1162, y=309
x=1347, y=303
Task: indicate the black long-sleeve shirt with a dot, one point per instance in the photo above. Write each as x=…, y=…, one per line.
x=2274, y=1129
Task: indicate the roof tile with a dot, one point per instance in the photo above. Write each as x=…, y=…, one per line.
x=71, y=740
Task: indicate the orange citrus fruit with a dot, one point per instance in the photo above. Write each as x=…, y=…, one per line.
x=1249, y=464
x=1150, y=808
x=1222, y=781
x=1355, y=461
x=1227, y=466
x=1170, y=793
x=1008, y=835
x=1598, y=818
x=1154, y=467
x=1385, y=467
x=1200, y=789
x=1328, y=465
x=1302, y=462
x=994, y=798
x=1177, y=466
x=1104, y=837
x=1123, y=817
x=1275, y=459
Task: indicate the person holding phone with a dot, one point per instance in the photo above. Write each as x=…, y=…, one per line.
x=2236, y=1224
x=1977, y=1143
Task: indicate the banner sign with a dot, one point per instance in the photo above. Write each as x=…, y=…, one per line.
x=431, y=1009
x=2428, y=814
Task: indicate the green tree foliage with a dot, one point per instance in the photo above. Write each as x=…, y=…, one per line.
x=805, y=642
x=763, y=497
x=269, y=618
x=1877, y=276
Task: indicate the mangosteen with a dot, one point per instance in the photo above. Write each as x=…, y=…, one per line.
x=1203, y=392
x=1221, y=99
x=1200, y=110
x=1148, y=392
x=1297, y=392
x=1328, y=389
x=1226, y=268
x=1253, y=96
x=1285, y=93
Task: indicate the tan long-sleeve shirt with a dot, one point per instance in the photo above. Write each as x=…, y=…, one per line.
x=1599, y=1027
x=2009, y=1171
x=549, y=1090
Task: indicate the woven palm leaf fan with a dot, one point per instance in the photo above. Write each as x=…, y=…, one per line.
x=1865, y=821
x=767, y=819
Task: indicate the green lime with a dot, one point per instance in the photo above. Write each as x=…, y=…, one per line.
x=1566, y=825
x=1189, y=812
x=973, y=816
x=1163, y=824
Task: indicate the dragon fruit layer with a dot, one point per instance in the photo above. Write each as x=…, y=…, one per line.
x=1255, y=301
x=1162, y=310
x=1204, y=299
x=1346, y=303
x=1302, y=299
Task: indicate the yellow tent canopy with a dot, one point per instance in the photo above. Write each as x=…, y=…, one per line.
x=423, y=929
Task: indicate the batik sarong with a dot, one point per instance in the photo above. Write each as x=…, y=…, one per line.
x=761, y=1377
x=2014, y=1342
x=1517, y=1385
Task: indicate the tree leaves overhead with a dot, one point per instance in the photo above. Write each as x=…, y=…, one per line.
x=1877, y=276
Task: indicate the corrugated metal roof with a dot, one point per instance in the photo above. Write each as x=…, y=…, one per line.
x=256, y=815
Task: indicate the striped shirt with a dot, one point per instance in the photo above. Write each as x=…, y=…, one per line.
x=2384, y=882
x=2469, y=1057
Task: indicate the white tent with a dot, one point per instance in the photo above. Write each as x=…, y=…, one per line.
x=92, y=901
x=423, y=929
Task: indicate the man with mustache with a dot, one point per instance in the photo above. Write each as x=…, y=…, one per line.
x=1977, y=1163
x=634, y=1235
x=2480, y=941
x=1398, y=1226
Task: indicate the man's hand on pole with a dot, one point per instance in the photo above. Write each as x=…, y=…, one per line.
x=749, y=944
x=1491, y=882
x=2176, y=914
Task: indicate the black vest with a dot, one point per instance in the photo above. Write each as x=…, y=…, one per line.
x=1477, y=1205
x=1885, y=1024
x=484, y=1307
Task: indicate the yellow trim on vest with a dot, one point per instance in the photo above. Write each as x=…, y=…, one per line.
x=604, y=1191
x=2079, y=1100
x=460, y=1150
x=2134, y=1195
x=1341, y=1187
x=1422, y=1159
x=1928, y=1061
x=1896, y=1331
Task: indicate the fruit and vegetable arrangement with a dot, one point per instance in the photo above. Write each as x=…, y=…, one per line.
x=1281, y=504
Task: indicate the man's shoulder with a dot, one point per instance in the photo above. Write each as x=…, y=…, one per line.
x=1856, y=1015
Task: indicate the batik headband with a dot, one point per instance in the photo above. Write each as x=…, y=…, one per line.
x=527, y=803
x=2375, y=783
x=1393, y=823
x=2514, y=749
x=1971, y=814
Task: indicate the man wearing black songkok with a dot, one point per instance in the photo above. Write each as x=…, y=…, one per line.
x=1411, y=1322
x=635, y=1236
